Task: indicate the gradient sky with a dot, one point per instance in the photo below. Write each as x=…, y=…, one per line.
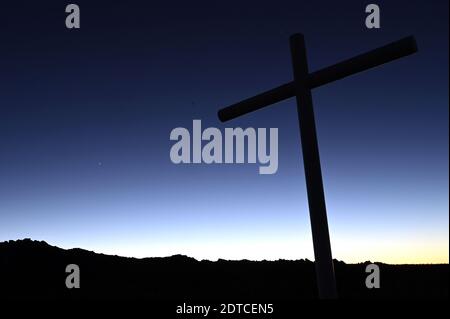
x=85, y=118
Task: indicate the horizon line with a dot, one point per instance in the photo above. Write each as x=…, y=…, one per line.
x=210, y=260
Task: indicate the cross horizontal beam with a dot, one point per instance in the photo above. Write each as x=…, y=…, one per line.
x=359, y=63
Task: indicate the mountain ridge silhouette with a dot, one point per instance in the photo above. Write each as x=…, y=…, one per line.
x=36, y=270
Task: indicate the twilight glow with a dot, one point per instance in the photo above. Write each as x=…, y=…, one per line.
x=86, y=116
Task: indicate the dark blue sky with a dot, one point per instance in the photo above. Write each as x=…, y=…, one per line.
x=85, y=118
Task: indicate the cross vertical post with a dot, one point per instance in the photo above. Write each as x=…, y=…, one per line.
x=316, y=199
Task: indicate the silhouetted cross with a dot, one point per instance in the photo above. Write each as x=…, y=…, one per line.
x=301, y=89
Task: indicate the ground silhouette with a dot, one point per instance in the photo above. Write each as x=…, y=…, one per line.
x=35, y=270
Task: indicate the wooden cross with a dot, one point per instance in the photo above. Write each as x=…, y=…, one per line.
x=301, y=87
